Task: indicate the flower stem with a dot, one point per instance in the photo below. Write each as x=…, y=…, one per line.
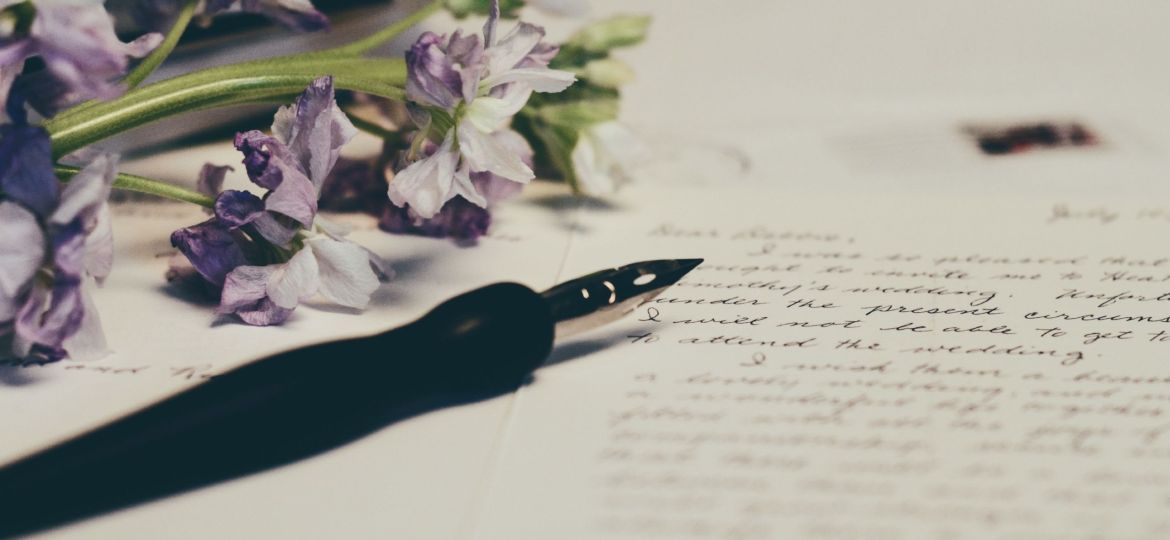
x=371, y=41
x=250, y=82
x=141, y=184
x=160, y=53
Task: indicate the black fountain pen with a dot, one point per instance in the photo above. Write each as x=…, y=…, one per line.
x=306, y=401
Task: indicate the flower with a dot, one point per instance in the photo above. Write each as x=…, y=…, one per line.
x=299, y=15
x=603, y=157
x=578, y=130
x=54, y=238
x=460, y=218
x=464, y=90
x=269, y=254
x=76, y=42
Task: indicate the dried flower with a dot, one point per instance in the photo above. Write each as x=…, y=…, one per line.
x=54, y=239
x=299, y=15
x=464, y=90
x=269, y=254
x=296, y=14
x=76, y=42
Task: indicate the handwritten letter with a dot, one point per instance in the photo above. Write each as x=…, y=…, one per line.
x=836, y=369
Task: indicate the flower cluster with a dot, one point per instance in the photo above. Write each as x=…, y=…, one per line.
x=463, y=93
x=267, y=254
x=578, y=131
x=55, y=238
x=479, y=116
x=470, y=129
x=76, y=42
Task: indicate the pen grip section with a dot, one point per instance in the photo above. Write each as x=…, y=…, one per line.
x=284, y=408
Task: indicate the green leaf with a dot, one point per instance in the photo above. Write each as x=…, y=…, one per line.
x=559, y=143
x=611, y=33
x=579, y=114
x=607, y=72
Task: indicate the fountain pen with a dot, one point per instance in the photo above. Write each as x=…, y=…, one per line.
x=306, y=401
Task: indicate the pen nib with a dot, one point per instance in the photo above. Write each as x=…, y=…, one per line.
x=601, y=297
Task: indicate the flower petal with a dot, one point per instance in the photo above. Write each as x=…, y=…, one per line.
x=463, y=187
x=77, y=43
x=490, y=113
x=86, y=192
x=315, y=129
x=512, y=48
x=88, y=342
x=278, y=230
x=26, y=168
x=299, y=15
x=484, y=153
x=244, y=285
x=539, y=79
x=211, y=248
x=99, y=246
x=295, y=280
x=22, y=252
x=295, y=197
x=52, y=315
x=431, y=78
x=426, y=184
x=458, y=219
x=245, y=295
x=234, y=208
x=211, y=178
x=346, y=277
x=260, y=151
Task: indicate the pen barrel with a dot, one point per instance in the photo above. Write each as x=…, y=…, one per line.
x=284, y=408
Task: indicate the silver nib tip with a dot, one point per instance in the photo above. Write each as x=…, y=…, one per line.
x=598, y=298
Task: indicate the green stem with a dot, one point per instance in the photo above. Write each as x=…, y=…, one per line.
x=217, y=87
x=141, y=184
x=367, y=43
x=160, y=53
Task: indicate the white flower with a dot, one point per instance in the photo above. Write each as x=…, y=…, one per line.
x=605, y=156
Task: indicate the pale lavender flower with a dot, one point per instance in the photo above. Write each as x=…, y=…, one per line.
x=54, y=240
x=269, y=254
x=460, y=218
x=77, y=44
x=475, y=88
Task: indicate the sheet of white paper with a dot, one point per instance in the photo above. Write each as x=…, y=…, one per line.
x=909, y=367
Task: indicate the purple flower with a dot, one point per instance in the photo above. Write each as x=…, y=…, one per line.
x=461, y=218
x=270, y=253
x=475, y=88
x=48, y=251
x=77, y=44
x=458, y=219
x=299, y=15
